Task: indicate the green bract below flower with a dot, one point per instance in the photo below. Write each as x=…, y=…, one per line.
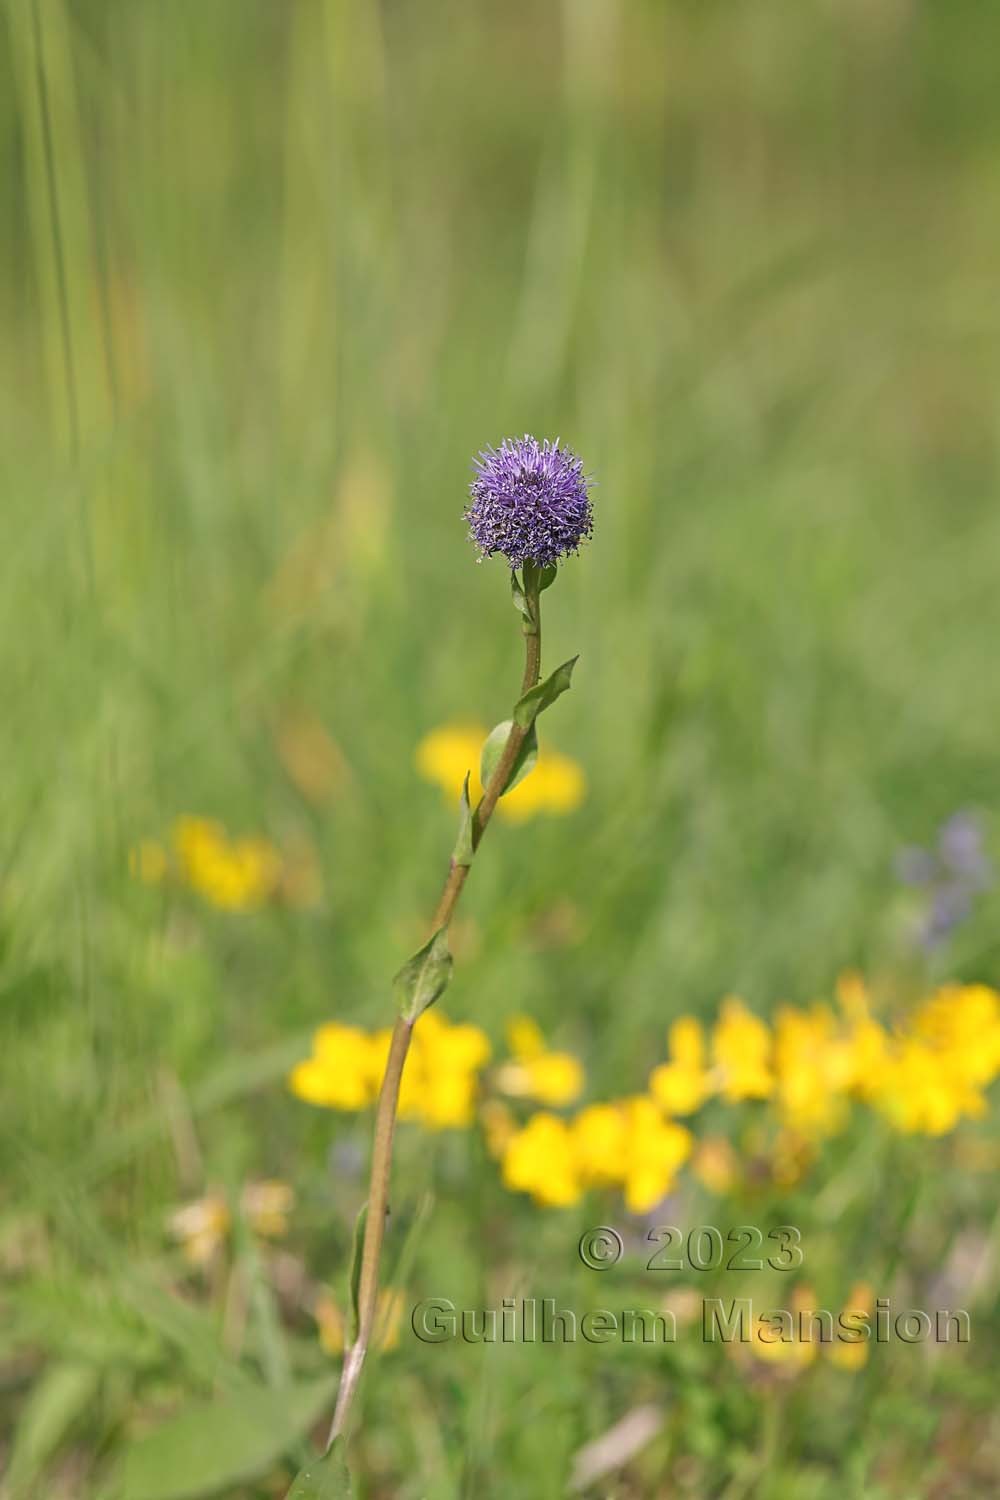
x=529, y=502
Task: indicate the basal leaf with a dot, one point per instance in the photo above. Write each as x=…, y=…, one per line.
x=57, y=1401
x=326, y=1478
x=210, y=1447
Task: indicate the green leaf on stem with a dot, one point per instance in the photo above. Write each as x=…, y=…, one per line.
x=464, y=850
x=520, y=598
x=542, y=696
x=424, y=977
x=494, y=749
x=354, y=1282
x=325, y=1478
x=533, y=581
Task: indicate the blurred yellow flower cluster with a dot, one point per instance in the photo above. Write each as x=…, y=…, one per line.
x=556, y=784
x=439, y=1082
x=535, y=1072
x=924, y=1073
x=936, y=1073
x=442, y=1078
x=627, y=1144
x=233, y=874
x=794, y=1339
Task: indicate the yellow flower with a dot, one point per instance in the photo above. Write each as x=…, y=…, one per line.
x=655, y=1148
x=850, y=1355
x=554, y=1078
x=440, y=1080
x=444, y=756
x=266, y=1205
x=962, y=1022
x=921, y=1093
x=630, y=1143
x=539, y=1159
x=387, y=1320
x=682, y=1085
x=201, y=1227
x=814, y=1066
x=556, y=785
x=449, y=1048
x=524, y=1036
x=233, y=875
x=770, y=1340
x=935, y=1070
x=341, y=1073
x=741, y=1048
x=449, y=1101
x=411, y=1084
x=148, y=862
x=626, y=1142
x=447, y=1063
x=600, y=1141
x=866, y=1040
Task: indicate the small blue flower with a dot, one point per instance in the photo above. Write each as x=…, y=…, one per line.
x=529, y=502
x=950, y=876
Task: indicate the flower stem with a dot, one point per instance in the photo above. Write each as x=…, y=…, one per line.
x=378, y=1205
x=388, y=1099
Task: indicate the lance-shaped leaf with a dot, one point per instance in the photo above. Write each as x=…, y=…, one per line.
x=354, y=1281
x=494, y=749
x=216, y=1447
x=424, y=977
x=542, y=696
x=324, y=1478
x=464, y=850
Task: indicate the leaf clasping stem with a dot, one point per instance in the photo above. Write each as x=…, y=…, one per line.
x=388, y=1099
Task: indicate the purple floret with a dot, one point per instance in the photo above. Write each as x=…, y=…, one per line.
x=529, y=501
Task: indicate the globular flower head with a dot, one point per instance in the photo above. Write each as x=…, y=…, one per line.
x=529, y=502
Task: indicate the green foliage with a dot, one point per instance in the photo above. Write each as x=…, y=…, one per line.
x=542, y=696
x=354, y=1275
x=325, y=1478
x=464, y=851
x=493, y=749
x=210, y=1447
x=424, y=977
x=268, y=276
x=58, y=1402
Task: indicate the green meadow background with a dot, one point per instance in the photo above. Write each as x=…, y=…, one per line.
x=270, y=274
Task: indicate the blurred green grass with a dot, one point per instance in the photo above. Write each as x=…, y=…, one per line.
x=269, y=275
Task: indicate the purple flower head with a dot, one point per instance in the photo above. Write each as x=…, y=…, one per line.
x=529, y=501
